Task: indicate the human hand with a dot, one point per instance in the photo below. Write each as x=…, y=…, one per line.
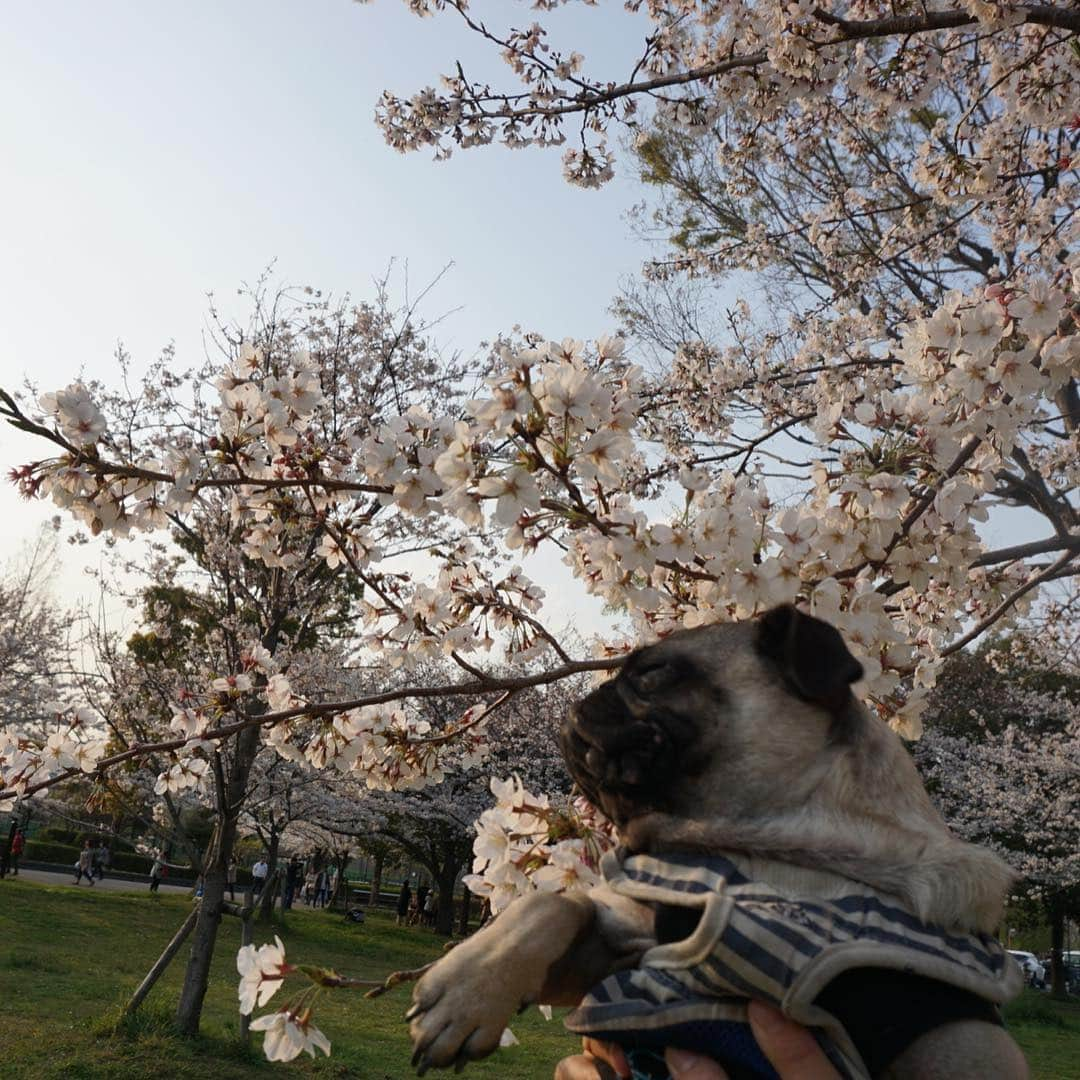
x=790, y=1048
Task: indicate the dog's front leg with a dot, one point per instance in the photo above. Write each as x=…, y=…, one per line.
x=461, y=1006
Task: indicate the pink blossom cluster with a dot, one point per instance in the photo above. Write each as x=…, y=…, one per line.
x=561, y=448
x=524, y=842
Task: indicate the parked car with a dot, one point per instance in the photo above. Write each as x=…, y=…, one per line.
x=1034, y=972
x=1071, y=961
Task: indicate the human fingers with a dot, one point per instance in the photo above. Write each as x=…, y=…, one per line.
x=583, y=1067
x=685, y=1065
x=611, y=1053
x=792, y=1050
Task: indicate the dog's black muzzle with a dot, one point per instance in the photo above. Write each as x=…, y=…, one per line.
x=626, y=757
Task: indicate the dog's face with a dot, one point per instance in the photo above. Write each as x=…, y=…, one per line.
x=727, y=718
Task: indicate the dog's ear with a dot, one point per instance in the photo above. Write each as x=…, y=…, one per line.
x=811, y=656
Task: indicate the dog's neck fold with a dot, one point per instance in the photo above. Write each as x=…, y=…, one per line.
x=904, y=850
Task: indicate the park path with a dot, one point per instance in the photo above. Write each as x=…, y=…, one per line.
x=49, y=877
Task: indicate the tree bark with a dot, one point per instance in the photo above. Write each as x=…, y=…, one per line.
x=266, y=909
x=463, y=912
x=341, y=886
x=215, y=881
x=246, y=917
x=376, y=880
x=444, y=914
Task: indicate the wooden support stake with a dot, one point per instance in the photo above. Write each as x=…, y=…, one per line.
x=162, y=962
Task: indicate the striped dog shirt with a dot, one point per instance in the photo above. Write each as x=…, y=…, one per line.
x=786, y=935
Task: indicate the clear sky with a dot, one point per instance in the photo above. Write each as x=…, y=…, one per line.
x=154, y=152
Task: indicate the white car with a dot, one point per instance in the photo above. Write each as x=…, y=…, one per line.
x=1034, y=972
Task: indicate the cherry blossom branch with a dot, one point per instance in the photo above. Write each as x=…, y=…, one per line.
x=591, y=99
x=438, y=740
x=510, y=684
x=1024, y=551
x=1007, y=604
x=397, y=978
x=897, y=25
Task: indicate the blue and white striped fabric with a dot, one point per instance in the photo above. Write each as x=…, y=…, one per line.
x=772, y=932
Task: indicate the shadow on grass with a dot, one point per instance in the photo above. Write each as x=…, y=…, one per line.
x=155, y=1025
x=17, y=961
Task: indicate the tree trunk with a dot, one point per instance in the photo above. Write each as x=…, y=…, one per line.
x=1056, y=911
x=463, y=913
x=444, y=914
x=246, y=918
x=341, y=886
x=215, y=880
x=376, y=880
x=266, y=909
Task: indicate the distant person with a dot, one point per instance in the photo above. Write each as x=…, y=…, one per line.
x=18, y=842
x=421, y=897
x=403, y=903
x=103, y=860
x=322, y=888
x=156, y=869
x=258, y=876
x=292, y=878
x=230, y=877
x=309, y=886
x=85, y=865
x=431, y=906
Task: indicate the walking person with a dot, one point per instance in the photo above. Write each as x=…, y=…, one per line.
x=18, y=842
x=155, y=873
x=258, y=876
x=403, y=903
x=103, y=860
x=292, y=878
x=85, y=865
x=431, y=905
x=230, y=878
x=322, y=888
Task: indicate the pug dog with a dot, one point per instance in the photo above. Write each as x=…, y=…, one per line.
x=777, y=843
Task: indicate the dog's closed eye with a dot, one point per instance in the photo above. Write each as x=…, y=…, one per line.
x=652, y=676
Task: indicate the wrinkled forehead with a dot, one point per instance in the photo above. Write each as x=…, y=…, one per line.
x=708, y=648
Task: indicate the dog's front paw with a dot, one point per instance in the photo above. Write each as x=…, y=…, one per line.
x=459, y=1012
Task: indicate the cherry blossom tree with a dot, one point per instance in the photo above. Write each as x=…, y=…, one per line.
x=36, y=666
x=436, y=825
x=873, y=174
x=849, y=460
x=221, y=623
x=1003, y=764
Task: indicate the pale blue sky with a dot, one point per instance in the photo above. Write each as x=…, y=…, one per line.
x=153, y=152
x=156, y=151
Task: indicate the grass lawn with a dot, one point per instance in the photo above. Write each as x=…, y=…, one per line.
x=69, y=958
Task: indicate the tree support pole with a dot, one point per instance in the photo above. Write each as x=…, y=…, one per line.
x=162, y=963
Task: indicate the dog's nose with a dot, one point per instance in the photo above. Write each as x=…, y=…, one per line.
x=599, y=714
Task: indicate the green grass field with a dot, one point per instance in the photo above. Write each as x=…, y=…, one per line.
x=69, y=959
